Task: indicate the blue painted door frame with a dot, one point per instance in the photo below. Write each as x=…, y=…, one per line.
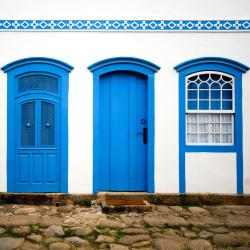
x=219, y=64
x=41, y=108
x=131, y=65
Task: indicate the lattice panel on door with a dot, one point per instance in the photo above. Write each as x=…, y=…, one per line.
x=47, y=124
x=28, y=124
x=38, y=82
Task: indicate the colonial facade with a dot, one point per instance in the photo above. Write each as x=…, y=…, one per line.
x=148, y=96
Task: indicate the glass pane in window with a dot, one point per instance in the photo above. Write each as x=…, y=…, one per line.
x=227, y=94
x=192, y=85
x=226, y=117
x=215, y=138
x=215, y=127
x=192, y=118
x=192, y=138
x=192, y=127
x=203, y=105
x=202, y=127
x=204, y=77
x=202, y=118
x=192, y=105
x=215, y=85
x=215, y=117
x=215, y=105
x=203, y=85
x=226, y=128
x=203, y=138
x=227, y=86
x=215, y=94
x=227, y=105
x=192, y=94
x=215, y=77
x=226, y=138
x=203, y=94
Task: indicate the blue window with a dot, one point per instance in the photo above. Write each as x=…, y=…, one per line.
x=210, y=110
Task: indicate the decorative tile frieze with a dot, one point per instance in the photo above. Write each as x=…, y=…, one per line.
x=125, y=25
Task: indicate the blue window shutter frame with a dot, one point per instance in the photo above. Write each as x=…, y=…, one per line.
x=219, y=64
x=124, y=64
x=45, y=66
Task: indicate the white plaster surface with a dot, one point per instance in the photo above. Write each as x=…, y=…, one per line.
x=80, y=49
x=211, y=173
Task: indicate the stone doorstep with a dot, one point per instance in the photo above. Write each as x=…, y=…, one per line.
x=123, y=202
x=153, y=198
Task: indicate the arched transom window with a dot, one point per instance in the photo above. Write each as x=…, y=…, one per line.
x=209, y=108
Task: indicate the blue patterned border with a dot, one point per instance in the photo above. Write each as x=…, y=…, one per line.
x=125, y=25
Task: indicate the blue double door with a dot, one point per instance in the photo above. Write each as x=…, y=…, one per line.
x=123, y=131
x=37, y=130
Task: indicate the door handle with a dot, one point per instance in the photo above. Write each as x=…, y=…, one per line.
x=145, y=135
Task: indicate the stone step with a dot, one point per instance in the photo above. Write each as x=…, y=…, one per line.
x=123, y=201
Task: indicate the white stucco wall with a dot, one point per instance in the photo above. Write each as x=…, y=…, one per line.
x=80, y=49
x=211, y=173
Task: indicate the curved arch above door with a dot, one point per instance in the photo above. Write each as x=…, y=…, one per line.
x=123, y=113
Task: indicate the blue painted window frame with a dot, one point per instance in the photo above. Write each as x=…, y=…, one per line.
x=50, y=67
x=124, y=64
x=223, y=65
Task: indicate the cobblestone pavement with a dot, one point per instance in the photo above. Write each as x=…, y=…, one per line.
x=66, y=227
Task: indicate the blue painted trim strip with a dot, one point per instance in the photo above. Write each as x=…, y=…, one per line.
x=125, y=25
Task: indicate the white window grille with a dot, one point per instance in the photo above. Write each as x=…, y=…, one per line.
x=209, y=108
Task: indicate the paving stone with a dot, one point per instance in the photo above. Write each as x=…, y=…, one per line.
x=54, y=231
x=237, y=221
x=51, y=240
x=163, y=209
x=9, y=243
x=221, y=230
x=104, y=239
x=110, y=223
x=35, y=237
x=205, y=234
x=198, y=210
x=30, y=246
x=77, y=241
x=168, y=244
x=117, y=247
x=59, y=246
x=134, y=231
x=47, y=221
x=225, y=240
x=18, y=220
x=190, y=235
x=22, y=230
x=2, y=231
x=176, y=208
x=82, y=231
x=131, y=239
x=25, y=210
x=65, y=209
x=141, y=244
x=205, y=221
x=165, y=220
x=200, y=244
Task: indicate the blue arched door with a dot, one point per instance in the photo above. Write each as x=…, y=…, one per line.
x=37, y=125
x=123, y=131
